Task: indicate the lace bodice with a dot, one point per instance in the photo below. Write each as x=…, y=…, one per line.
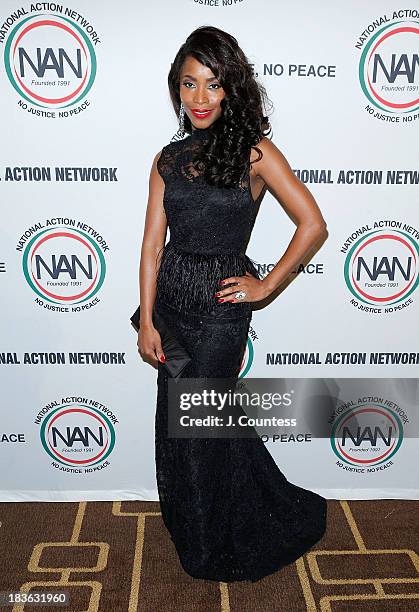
x=203, y=218
x=209, y=226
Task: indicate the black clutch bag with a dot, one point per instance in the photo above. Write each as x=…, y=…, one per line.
x=177, y=357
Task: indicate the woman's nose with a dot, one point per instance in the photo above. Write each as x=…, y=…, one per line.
x=200, y=96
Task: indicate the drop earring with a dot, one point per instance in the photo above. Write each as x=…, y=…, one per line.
x=181, y=131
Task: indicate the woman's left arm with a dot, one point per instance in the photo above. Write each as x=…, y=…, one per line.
x=274, y=169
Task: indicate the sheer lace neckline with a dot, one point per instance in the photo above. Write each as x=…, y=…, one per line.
x=200, y=133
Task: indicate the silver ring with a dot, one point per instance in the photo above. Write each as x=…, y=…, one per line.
x=240, y=295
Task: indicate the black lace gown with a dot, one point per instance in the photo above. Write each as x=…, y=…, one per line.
x=231, y=513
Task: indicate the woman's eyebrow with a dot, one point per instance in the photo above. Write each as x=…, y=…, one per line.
x=189, y=76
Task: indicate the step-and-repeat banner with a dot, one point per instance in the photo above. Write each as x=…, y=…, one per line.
x=84, y=109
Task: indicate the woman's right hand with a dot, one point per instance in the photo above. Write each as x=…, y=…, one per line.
x=149, y=345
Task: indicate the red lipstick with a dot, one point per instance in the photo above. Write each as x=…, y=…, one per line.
x=201, y=113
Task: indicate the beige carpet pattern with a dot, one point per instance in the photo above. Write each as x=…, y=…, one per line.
x=118, y=557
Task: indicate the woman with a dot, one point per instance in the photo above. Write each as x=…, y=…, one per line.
x=230, y=511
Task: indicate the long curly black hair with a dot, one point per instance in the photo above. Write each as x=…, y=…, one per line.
x=225, y=158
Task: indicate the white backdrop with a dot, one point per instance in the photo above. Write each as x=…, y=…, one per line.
x=84, y=109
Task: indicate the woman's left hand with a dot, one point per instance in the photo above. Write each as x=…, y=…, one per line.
x=254, y=288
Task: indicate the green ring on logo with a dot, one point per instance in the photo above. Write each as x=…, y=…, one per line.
x=35, y=288
x=361, y=71
x=86, y=40
x=348, y=259
x=250, y=360
x=336, y=424
x=101, y=414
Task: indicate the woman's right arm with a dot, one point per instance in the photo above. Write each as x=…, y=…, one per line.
x=154, y=237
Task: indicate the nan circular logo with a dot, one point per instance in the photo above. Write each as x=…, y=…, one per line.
x=64, y=265
x=365, y=436
x=388, y=66
x=77, y=433
x=50, y=61
x=381, y=266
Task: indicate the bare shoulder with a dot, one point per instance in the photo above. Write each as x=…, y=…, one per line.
x=157, y=170
x=157, y=157
x=267, y=148
x=266, y=155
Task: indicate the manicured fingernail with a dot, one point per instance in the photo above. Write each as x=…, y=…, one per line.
x=162, y=359
x=218, y=293
x=220, y=300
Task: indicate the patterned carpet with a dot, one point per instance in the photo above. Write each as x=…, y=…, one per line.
x=113, y=557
